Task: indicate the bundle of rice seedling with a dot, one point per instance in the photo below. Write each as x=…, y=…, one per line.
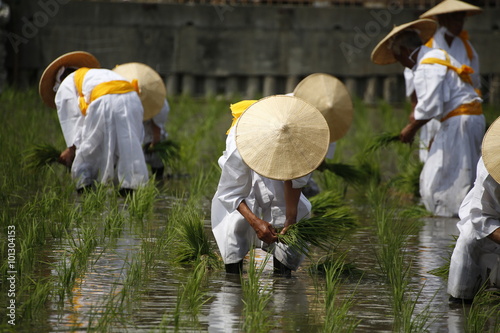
x=40, y=155
x=349, y=173
x=321, y=232
x=168, y=149
x=381, y=141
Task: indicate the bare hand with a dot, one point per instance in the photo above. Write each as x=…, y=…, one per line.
x=67, y=156
x=265, y=231
x=407, y=134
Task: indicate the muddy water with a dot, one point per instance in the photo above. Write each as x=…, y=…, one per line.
x=294, y=305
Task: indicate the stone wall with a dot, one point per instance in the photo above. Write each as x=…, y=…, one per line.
x=4, y=18
x=232, y=49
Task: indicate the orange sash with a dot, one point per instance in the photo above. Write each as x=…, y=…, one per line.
x=105, y=88
x=470, y=109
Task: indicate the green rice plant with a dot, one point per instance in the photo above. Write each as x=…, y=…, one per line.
x=141, y=203
x=381, y=141
x=40, y=155
x=193, y=295
x=193, y=241
x=395, y=262
x=168, y=150
x=95, y=199
x=113, y=223
x=322, y=232
x=337, y=317
x=444, y=270
x=256, y=298
x=330, y=203
x=484, y=313
x=349, y=173
x=39, y=293
x=330, y=262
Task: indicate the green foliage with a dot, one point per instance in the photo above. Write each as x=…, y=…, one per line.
x=40, y=155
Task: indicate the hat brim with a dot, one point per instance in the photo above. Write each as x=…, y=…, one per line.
x=490, y=150
x=330, y=96
x=282, y=137
x=152, y=89
x=383, y=55
x=76, y=59
x=451, y=6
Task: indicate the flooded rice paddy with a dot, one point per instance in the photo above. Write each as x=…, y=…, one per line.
x=101, y=263
x=295, y=304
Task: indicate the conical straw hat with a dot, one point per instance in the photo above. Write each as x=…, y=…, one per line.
x=491, y=150
x=76, y=59
x=382, y=54
x=282, y=137
x=329, y=95
x=451, y=6
x=151, y=87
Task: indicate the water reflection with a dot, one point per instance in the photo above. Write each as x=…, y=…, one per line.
x=294, y=303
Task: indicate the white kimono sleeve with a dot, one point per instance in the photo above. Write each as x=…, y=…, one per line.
x=68, y=111
x=235, y=182
x=485, y=203
x=430, y=89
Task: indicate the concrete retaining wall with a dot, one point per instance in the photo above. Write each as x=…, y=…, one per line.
x=252, y=51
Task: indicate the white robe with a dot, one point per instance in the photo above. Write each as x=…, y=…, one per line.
x=264, y=196
x=458, y=51
x=480, y=216
x=108, y=138
x=450, y=168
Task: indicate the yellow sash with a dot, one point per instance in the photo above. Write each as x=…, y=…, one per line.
x=470, y=109
x=464, y=37
x=463, y=72
x=237, y=110
x=105, y=88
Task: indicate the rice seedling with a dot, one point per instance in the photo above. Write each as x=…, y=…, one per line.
x=337, y=317
x=193, y=295
x=168, y=151
x=193, y=241
x=40, y=155
x=395, y=263
x=256, y=297
x=381, y=141
x=141, y=203
x=330, y=261
x=483, y=315
x=321, y=232
x=39, y=295
x=349, y=173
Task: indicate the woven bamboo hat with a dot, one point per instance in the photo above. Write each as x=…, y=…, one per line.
x=382, y=53
x=282, y=137
x=491, y=150
x=151, y=87
x=329, y=95
x=451, y=6
x=76, y=59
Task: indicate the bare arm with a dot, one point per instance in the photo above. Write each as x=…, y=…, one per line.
x=409, y=131
x=264, y=230
x=156, y=133
x=292, y=196
x=495, y=236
